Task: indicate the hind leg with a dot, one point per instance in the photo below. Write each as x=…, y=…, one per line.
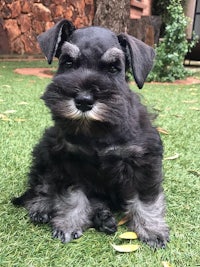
x=71, y=216
x=38, y=203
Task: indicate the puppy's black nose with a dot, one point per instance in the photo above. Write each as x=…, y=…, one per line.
x=84, y=101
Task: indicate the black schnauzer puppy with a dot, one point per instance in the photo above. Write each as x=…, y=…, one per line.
x=102, y=154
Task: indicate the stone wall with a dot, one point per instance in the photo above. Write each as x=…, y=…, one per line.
x=22, y=20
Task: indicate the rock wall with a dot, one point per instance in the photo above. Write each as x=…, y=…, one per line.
x=23, y=20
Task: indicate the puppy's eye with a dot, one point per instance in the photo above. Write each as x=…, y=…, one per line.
x=66, y=62
x=113, y=69
x=69, y=64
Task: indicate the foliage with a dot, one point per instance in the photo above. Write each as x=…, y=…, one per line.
x=159, y=7
x=172, y=49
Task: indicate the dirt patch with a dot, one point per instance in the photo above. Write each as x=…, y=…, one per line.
x=186, y=81
x=39, y=72
x=48, y=73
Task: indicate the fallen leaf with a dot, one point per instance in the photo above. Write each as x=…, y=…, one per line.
x=194, y=108
x=5, y=86
x=123, y=221
x=190, y=101
x=172, y=157
x=157, y=109
x=195, y=172
x=32, y=81
x=6, y=119
x=2, y=116
x=193, y=89
x=125, y=248
x=22, y=103
x=161, y=130
x=19, y=120
x=128, y=235
x=177, y=115
x=92, y=229
x=166, y=264
x=10, y=111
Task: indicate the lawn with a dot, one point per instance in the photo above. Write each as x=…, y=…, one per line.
x=23, y=118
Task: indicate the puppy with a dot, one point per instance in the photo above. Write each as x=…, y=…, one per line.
x=102, y=154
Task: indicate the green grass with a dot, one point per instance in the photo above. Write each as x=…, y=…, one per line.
x=24, y=244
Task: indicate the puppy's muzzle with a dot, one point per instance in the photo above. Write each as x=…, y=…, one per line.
x=84, y=101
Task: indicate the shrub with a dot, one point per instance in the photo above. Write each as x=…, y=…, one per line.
x=172, y=49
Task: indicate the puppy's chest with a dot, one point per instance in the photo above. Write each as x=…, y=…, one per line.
x=108, y=166
x=95, y=156
x=87, y=159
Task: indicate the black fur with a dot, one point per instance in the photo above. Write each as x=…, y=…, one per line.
x=102, y=154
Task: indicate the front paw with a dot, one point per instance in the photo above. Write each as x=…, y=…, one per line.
x=155, y=237
x=67, y=236
x=104, y=221
x=40, y=217
x=156, y=241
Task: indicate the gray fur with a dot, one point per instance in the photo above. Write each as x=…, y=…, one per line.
x=40, y=207
x=71, y=50
x=112, y=54
x=147, y=219
x=72, y=213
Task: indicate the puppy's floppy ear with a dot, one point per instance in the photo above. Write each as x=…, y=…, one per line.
x=52, y=40
x=139, y=57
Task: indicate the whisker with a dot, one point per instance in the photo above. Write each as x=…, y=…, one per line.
x=98, y=112
x=71, y=111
